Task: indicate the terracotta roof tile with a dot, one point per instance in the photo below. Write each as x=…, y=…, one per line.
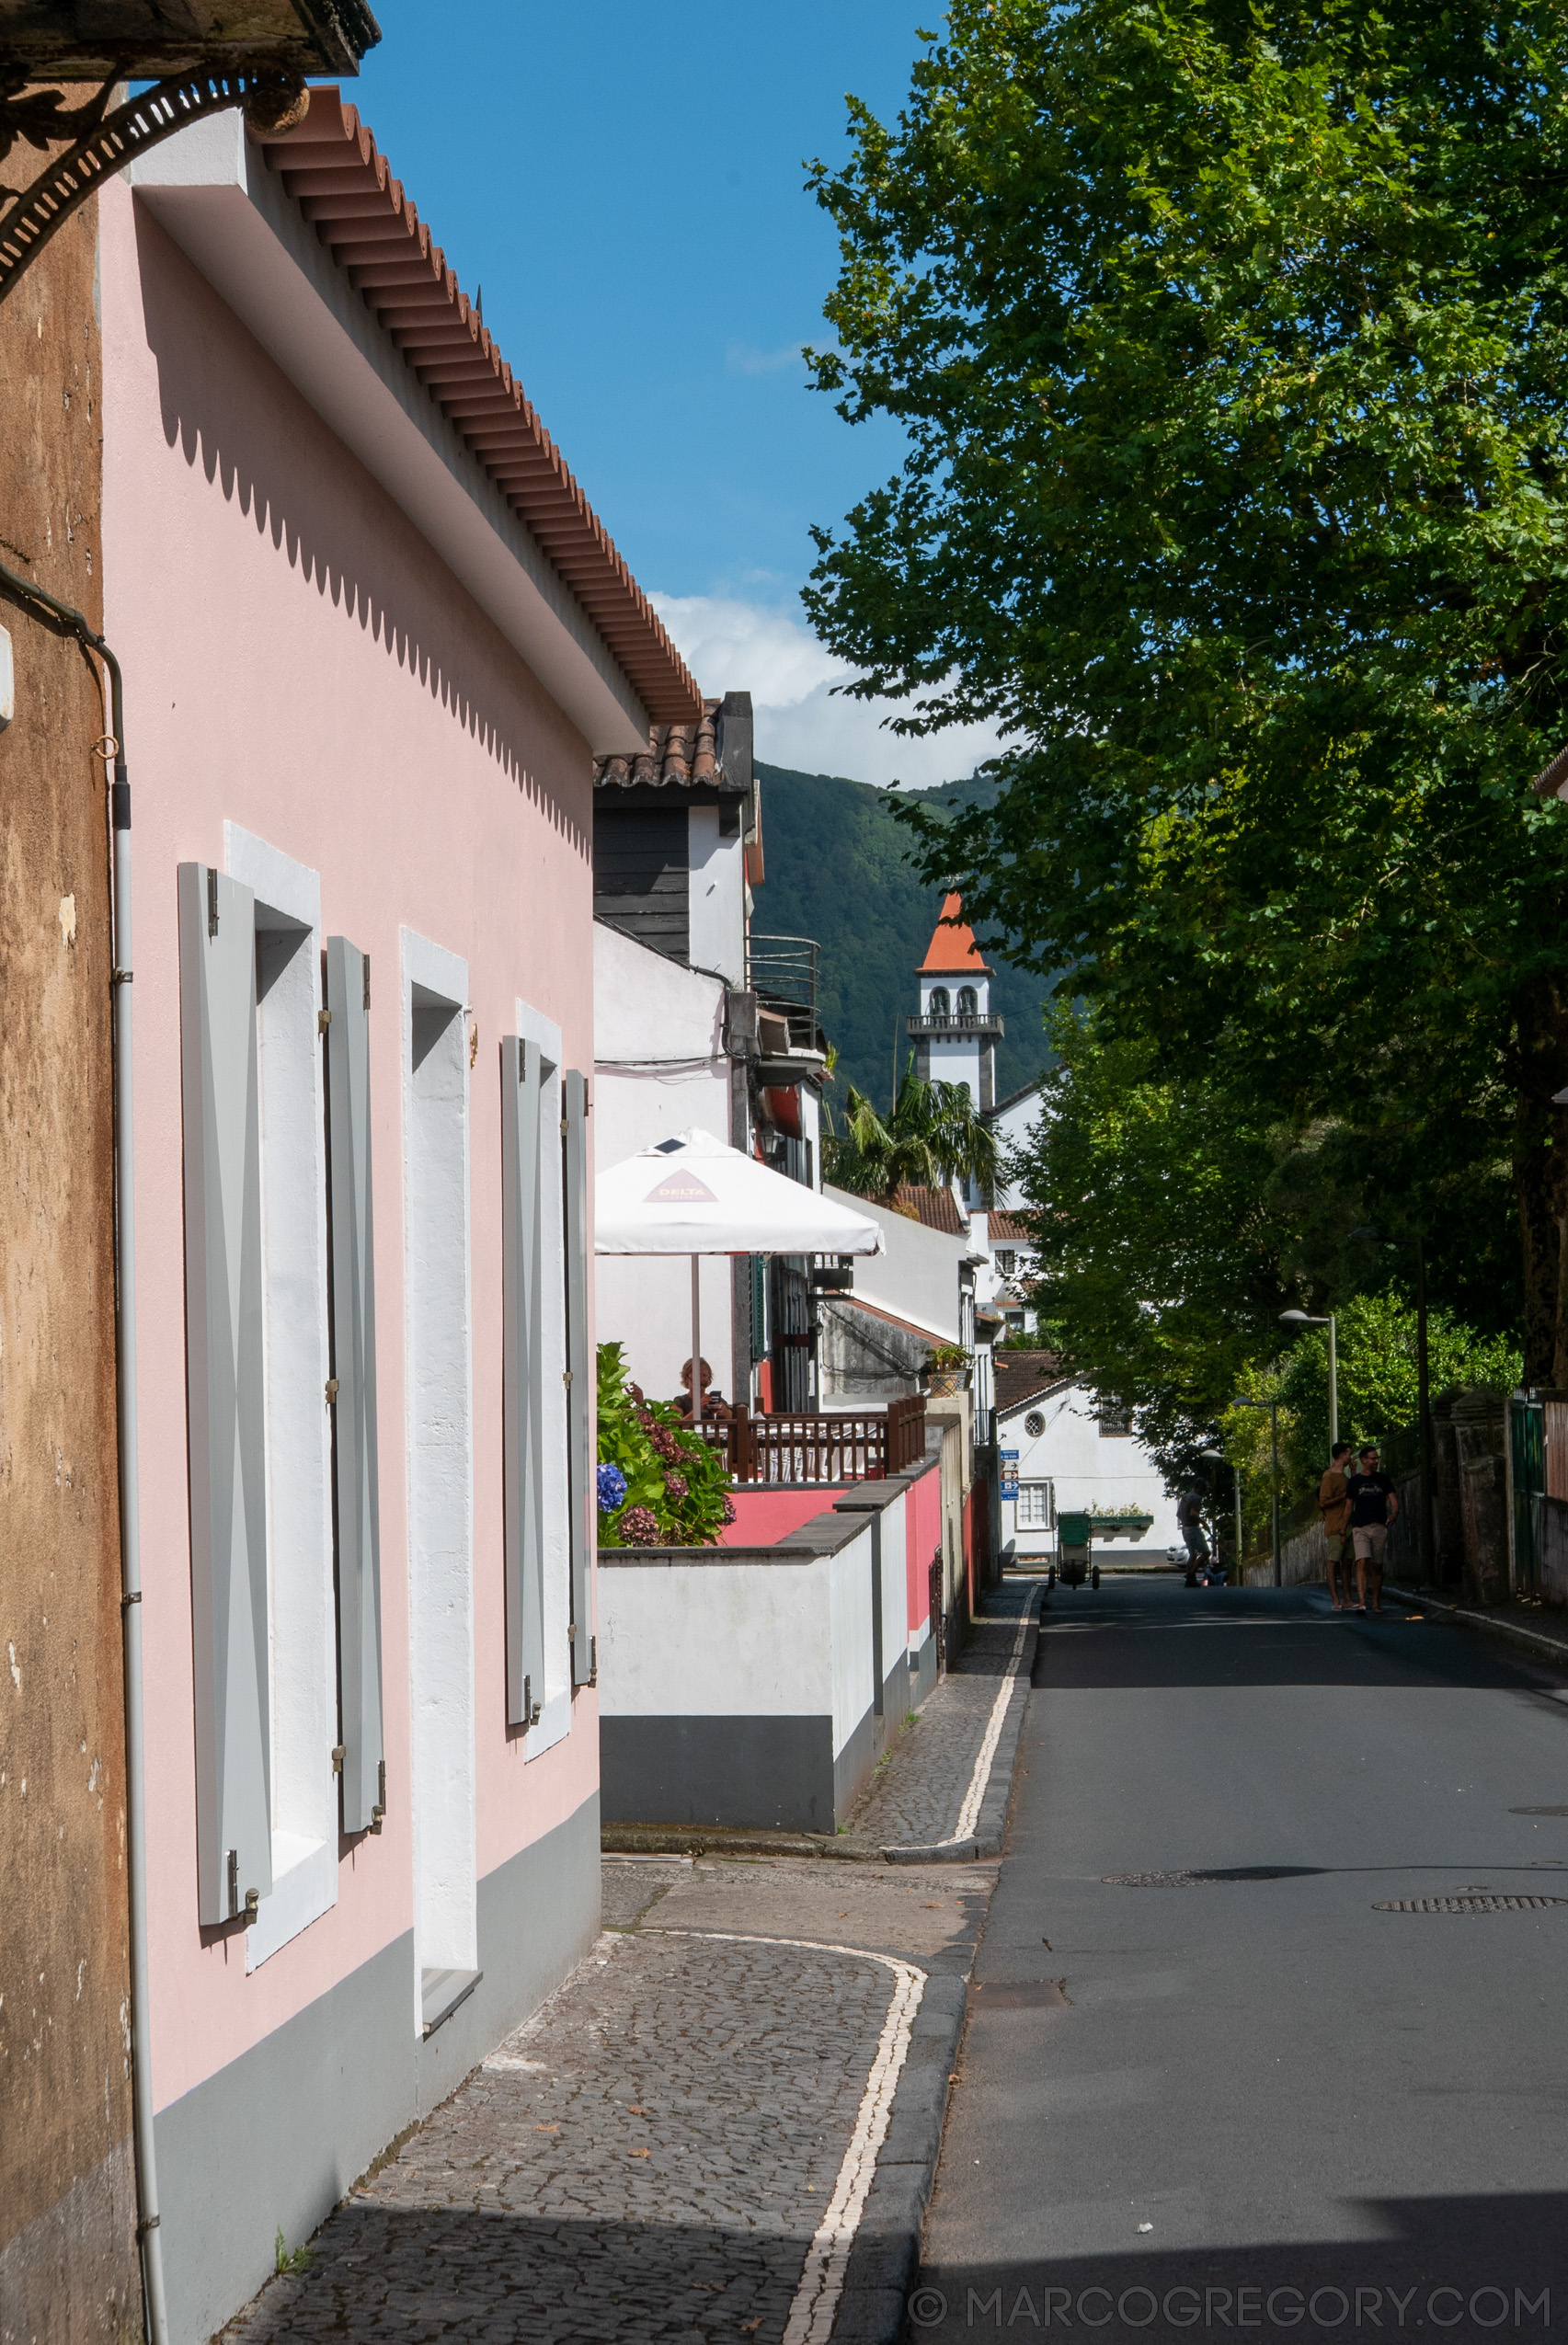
x=1012, y=1229
x=938, y=1208
x=680, y=756
x=331, y=167
x=1021, y=1375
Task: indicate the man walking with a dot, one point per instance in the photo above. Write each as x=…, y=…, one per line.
x=1334, y=1505
x=1374, y=1504
x=1189, y=1516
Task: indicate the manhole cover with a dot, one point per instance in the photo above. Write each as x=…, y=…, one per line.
x=1191, y=1879
x=1016, y=1994
x=1538, y=1811
x=1465, y=1904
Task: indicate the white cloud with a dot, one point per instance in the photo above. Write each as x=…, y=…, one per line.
x=743, y=358
x=733, y=645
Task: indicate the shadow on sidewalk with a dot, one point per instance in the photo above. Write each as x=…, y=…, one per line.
x=385, y=2273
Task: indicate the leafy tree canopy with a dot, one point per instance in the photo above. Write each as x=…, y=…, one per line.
x=1231, y=346
x=1377, y=1376
x=1173, y=1231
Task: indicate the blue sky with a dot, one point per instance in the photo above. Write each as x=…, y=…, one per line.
x=625, y=183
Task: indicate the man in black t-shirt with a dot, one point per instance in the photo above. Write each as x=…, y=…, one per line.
x=1374, y=1504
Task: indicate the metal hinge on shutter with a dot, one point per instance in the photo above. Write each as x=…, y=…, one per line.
x=211, y=900
x=323, y=1020
x=379, y=1811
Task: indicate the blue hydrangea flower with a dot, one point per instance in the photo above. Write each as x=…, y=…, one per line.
x=611, y=1489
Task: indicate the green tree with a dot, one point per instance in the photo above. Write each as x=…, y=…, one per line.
x=1231, y=347
x=1172, y=1230
x=935, y=1134
x=1378, y=1391
x=1160, y=1254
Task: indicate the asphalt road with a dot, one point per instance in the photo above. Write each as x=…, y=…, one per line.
x=1265, y=2104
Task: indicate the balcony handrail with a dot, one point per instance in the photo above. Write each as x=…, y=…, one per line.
x=826, y=1446
x=924, y=1021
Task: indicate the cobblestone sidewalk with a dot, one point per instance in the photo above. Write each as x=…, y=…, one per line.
x=919, y=1792
x=650, y=2157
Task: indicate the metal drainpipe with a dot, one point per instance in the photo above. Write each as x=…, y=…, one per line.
x=73, y=623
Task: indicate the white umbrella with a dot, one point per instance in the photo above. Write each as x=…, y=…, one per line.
x=695, y=1196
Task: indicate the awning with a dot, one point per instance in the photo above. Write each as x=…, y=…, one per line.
x=694, y=1195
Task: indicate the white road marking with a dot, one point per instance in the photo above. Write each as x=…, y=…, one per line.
x=821, y=2282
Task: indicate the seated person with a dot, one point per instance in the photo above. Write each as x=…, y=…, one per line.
x=713, y=1402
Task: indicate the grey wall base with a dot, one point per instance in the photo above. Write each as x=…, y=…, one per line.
x=768, y=1774
x=745, y=1773
x=274, y=2140
x=923, y=1671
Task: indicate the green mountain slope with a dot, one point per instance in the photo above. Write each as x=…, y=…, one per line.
x=836, y=872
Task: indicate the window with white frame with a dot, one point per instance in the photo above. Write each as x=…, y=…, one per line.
x=546, y=1379
x=1035, y=1508
x=260, y=1393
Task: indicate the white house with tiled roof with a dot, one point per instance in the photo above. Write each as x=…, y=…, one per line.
x=1067, y=1451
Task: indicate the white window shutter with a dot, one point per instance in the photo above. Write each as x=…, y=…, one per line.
x=523, y=1074
x=225, y=1389
x=353, y=1368
x=580, y=1494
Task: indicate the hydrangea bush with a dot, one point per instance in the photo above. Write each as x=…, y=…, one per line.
x=660, y=1483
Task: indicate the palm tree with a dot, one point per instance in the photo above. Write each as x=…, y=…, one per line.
x=933, y=1136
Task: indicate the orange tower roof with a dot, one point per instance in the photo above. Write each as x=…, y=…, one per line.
x=951, y=948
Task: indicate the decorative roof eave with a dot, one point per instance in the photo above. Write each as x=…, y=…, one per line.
x=1552, y=782
x=330, y=165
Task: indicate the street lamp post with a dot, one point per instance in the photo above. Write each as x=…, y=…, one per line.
x=1305, y=1319
x=1272, y=1408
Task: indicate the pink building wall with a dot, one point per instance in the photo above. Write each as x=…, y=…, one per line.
x=923, y=1538
x=298, y=662
x=765, y=1514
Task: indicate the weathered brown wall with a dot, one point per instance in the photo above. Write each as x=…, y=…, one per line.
x=67, y=2205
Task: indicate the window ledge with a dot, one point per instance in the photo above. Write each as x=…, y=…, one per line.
x=440, y=1992
x=305, y=1887
x=554, y=1726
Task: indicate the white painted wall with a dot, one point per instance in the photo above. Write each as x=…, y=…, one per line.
x=440, y=1457
x=849, y=1597
x=1012, y=1126
x=715, y=1640
x=1088, y=1469
x=897, y=1635
x=916, y=1278
x=661, y=1069
x=716, y=896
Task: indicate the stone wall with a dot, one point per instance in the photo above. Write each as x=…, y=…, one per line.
x=68, y=2264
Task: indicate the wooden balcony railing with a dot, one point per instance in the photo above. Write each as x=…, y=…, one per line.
x=860, y=1445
